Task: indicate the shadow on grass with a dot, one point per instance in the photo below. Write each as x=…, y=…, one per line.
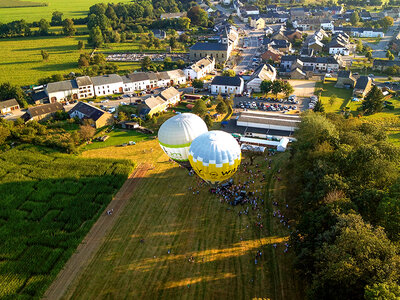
x=55, y=67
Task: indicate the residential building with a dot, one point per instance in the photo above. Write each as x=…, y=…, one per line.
x=281, y=45
x=8, y=106
x=85, y=87
x=62, y=90
x=383, y=65
x=293, y=35
x=200, y=69
x=171, y=95
x=159, y=33
x=107, y=84
x=151, y=106
x=316, y=46
x=306, y=52
x=337, y=47
x=359, y=32
x=272, y=54
x=138, y=81
x=345, y=79
x=168, y=16
x=307, y=24
x=42, y=112
x=263, y=72
x=218, y=51
x=176, y=77
x=83, y=110
x=327, y=25
x=227, y=85
x=321, y=64
x=257, y=23
x=362, y=87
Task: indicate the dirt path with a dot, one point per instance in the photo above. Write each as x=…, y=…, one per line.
x=91, y=243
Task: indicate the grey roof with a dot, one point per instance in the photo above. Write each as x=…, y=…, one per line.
x=264, y=72
x=90, y=111
x=362, y=82
x=386, y=63
x=320, y=60
x=226, y=80
x=169, y=93
x=139, y=76
x=153, y=102
x=106, y=79
x=162, y=76
x=39, y=96
x=66, y=85
x=83, y=81
x=209, y=46
x=44, y=109
x=344, y=74
x=8, y=103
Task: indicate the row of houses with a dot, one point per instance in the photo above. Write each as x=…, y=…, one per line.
x=88, y=87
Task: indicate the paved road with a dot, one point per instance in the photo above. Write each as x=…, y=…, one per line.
x=379, y=50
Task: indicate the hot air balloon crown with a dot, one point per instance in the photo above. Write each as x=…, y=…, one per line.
x=215, y=156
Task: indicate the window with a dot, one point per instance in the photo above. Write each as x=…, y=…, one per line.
x=194, y=54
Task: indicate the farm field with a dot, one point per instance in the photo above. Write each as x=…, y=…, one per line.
x=70, y=9
x=19, y=3
x=22, y=64
x=49, y=202
x=165, y=213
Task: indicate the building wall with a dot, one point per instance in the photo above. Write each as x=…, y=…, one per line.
x=85, y=92
x=63, y=95
x=220, y=56
x=265, y=126
x=222, y=89
x=9, y=109
x=105, y=119
x=157, y=109
x=109, y=89
x=342, y=51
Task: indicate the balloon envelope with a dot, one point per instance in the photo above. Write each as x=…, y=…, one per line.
x=177, y=133
x=215, y=156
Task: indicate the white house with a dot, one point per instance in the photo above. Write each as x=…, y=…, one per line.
x=200, y=69
x=339, y=49
x=108, y=84
x=138, y=81
x=85, y=87
x=171, y=95
x=227, y=85
x=327, y=25
x=62, y=90
x=263, y=72
x=8, y=106
x=176, y=77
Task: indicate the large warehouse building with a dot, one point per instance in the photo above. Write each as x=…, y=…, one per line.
x=266, y=120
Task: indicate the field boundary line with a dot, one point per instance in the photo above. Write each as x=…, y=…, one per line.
x=89, y=246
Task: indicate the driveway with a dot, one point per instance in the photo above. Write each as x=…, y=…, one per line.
x=303, y=88
x=379, y=50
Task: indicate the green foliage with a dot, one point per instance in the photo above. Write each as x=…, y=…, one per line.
x=44, y=27
x=44, y=54
x=373, y=102
x=49, y=203
x=266, y=86
x=382, y=291
x=68, y=27
x=209, y=122
x=197, y=16
x=221, y=108
x=319, y=107
x=229, y=73
x=354, y=18
x=198, y=83
x=9, y=91
x=200, y=108
x=56, y=18
x=146, y=63
x=343, y=184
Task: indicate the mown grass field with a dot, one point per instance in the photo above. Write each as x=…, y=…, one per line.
x=165, y=213
x=328, y=89
x=21, y=62
x=19, y=3
x=71, y=9
x=49, y=202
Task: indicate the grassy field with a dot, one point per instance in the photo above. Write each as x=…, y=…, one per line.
x=49, y=202
x=71, y=9
x=22, y=64
x=117, y=137
x=165, y=213
x=343, y=95
x=19, y=3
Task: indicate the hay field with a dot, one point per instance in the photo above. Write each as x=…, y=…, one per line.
x=70, y=9
x=166, y=214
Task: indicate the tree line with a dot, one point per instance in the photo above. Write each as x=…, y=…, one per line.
x=343, y=184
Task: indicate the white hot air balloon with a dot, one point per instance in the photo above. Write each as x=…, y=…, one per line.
x=215, y=156
x=177, y=133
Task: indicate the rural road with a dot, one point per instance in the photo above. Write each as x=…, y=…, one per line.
x=379, y=50
x=93, y=240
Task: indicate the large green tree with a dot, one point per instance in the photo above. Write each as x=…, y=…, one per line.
x=354, y=18
x=9, y=91
x=266, y=86
x=197, y=16
x=44, y=27
x=200, y=108
x=68, y=27
x=221, y=108
x=373, y=102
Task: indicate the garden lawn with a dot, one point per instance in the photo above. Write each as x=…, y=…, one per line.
x=117, y=138
x=343, y=95
x=49, y=202
x=70, y=9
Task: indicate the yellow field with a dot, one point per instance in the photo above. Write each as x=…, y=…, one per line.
x=166, y=214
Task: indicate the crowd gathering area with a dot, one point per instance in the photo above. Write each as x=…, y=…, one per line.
x=183, y=238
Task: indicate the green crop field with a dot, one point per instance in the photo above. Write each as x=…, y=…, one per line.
x=19, y=3
x=71, y=9
x=49, y=202
x=166, y=213
x=21, y=62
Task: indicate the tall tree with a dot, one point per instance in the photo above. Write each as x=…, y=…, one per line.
x=146, y=63
x=221, y=108
x=373, y=102
x=68, y=27
x=276, y=87
x=56, y=18
x=200, y=108
x=44, y=27
x=96, y=37
x=354, y=18
x=319, y=107
x=266, y=86
x=9, y=91
x=197, y=16
x=229, y=73
x=209, y=122
x=287, y=88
